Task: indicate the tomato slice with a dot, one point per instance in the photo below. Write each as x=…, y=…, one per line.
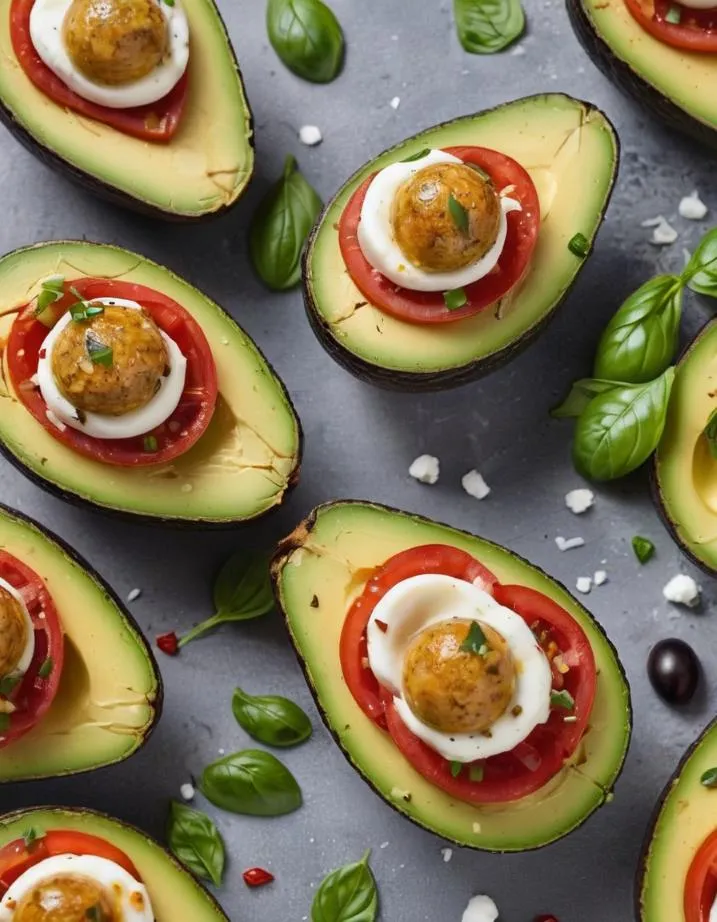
x=156, y=122
x=696, y=30
x=534, y=762
x=18, y=856
x=429, y=307
x=701, y=882
x=35, y=693
x=178, y=433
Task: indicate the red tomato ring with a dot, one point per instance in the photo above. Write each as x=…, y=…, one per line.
x=696, y=31
x=178, y=433
x=34, y=694
x=701, y=882
x=156, y=122
x=429, y=307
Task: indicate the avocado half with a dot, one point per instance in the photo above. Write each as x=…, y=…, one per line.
x=683, y=819
x=668, y=81
x=570, y=150
x=684, y=472
x=110, y=694
x=201, y=172
x=176, y=894
x=242, y=466
x=327, y=560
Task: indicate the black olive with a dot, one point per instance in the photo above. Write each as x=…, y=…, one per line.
x=673, y=670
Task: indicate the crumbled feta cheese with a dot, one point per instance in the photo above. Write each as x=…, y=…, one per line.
x=395, y=102
x=55, y=420
x=692, y=207
x=447, y=854
x=187, y=791
x=663, y=233
x=518, y=51
x=383, y=845
x=682, y=590
x=600, y=577
x=474, y=485
x=310, y=135
x=580, y=500
x=480, y=909
x=134, y=595
x=425, y=469
x=567, y=544
x=584, y=584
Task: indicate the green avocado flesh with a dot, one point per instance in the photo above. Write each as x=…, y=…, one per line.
x=110, y=691
x=239, y=469
x=686, y=818
x=328, y=560
x=685, y=469
x=176, y=896
x=202, y=170
x=570, y=150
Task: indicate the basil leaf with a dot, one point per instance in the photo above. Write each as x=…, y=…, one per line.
x=458, y=214
x=487, y=26
x=709, y=778
x=562, y=699
x=581, y=393
x=348, y=894
x=252, y=782
x=195, y=840
x=701, y=271
x=476, y=642
x=710, y=433
x=643, y=548
x=307, y=37
x=271, y=719
x=621, y=428
x=640, y=341
x=417, y=156
x=280, y=227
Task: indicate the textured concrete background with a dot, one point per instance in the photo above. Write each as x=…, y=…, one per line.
x=359, y=443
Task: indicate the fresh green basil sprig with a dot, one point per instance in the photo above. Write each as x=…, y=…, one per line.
x=701, y=271
x=280, y=227
x=251, y=782
x=271, y=719
x=307, y=37
x=348, y=894
x=195, y=840
x=487, y=26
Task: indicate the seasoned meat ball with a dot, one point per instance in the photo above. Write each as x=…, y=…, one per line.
x=456, y=691
x=115, y=42
x=13, y=632
x=427, y=229
x=139, y=360
x=66, y=898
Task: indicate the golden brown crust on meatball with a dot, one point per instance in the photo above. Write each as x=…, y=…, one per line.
x=66, y=898
x=13, y=632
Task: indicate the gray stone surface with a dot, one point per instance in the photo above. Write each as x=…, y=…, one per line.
x=359, y=443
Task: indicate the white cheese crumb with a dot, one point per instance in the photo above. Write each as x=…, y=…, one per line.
x=395, y=102
x=425, y=469
x=584, y=584
x=394, y=38
x=567, y=544
x=600, y=578
x=692, y=207
x=518, y=51
x=134, y=595
x=580, y=500
x=187, y=791
x=447, y=854
x=682, y=590
x=221, y=751
x=663, y=234
x=310, y=135
x=480, y=909
x=474, y=485
x=383, y=845
x=55, y=420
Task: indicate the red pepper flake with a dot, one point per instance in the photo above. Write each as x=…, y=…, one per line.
x=43, y=353
x=257, y=877
x=381, y=625
x=545, y=919
x=168, y=643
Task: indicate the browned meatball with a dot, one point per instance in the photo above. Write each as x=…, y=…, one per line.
x=453, y=690
x=115, y=41
x=433, y=235
x=13, y=632
x=139, y=360
x=66, y=898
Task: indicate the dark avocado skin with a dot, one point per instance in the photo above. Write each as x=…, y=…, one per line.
x=630, y=81
x=296, y=540
x=158, y=702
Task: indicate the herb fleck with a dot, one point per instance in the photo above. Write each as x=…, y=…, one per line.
x=45, y=669
x=709, y=778
x=458, y=214
x=455, y=299
x=643, y=548
x=417, y=156
x=579, y=245
x=476, y=642
x=562, y=699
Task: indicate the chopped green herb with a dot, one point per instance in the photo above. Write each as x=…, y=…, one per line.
x=710, y=433
x=455, y=299
x=94, y=310
x=476, y=642
x=456, y=769
x=418, y=156
x=45, y=671
x=98, y=352
x=458, y=214
x=51, y=290
x=709, y=778
x=83, y=311
x=562, y=699
x=150, y=443
x=579, y=245
x=4, y=722
x=674, y=16
x=30, y=836
x=476, y=772
x=8, y=684
x=643, y=548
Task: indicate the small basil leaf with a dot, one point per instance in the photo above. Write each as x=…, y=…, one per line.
x=641, y=339
x=487, y=26
x=701, y=270
x=581, y=393
x=458, y=214
x=476, y=642
x=709, y=778
x=348, y=894
x=280, y=227
x=195, y=840
x=643, y=548
x=620, y=429
x=307, y=37
x=252, y=782
x=271, y=719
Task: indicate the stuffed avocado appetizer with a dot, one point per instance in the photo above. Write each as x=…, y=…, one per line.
x=663, y=53
x=79, y=688
x=132, y=391
x=471, y=691
x=90, y=867
x=438, y=260
x=153, y=83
